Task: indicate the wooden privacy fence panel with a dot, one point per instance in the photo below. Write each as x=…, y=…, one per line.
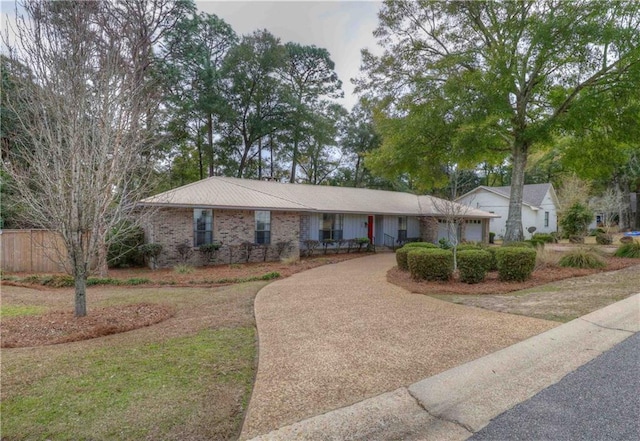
x=37, y=251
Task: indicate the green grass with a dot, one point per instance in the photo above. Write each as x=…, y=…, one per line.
x=149, y=391
x=20, y=310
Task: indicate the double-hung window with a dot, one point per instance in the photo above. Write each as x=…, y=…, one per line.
x=263, y=227
x=546, y=218
x=202, y=226
x=331, y=226
x=402, y=228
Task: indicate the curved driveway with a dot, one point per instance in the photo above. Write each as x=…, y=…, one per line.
x=338, y=334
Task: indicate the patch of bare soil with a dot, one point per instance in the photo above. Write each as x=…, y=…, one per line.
x=62, y=327
x=492, y=285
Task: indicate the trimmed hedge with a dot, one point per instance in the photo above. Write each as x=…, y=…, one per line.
x=604, y=239
x=522, y=244
x=515, y=263
x=430, y=264
x=544, y=237
x=401, y=253
x=473, y=265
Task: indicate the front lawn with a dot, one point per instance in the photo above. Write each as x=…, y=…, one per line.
x=187, y=377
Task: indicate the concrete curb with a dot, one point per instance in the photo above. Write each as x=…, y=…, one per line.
x=456, y=403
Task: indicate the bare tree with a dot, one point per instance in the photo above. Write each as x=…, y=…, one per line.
x=82, y=165
x=455, y=215
x=612, y=204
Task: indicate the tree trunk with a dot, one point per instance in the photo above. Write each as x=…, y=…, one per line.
x=210, y=145
x=271, y=154
x=514, y=231
x=260, y=159
x=294, y=160
x=103, y=265
x=80, y=277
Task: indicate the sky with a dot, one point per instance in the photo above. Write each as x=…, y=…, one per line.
x=341, y=27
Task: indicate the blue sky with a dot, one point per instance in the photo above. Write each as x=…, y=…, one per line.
x=342, y=27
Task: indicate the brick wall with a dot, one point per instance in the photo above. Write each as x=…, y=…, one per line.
x=174, y=226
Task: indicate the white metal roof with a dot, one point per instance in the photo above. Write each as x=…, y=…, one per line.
x=248, y=194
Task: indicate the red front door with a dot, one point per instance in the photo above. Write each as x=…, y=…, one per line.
x=370, y=229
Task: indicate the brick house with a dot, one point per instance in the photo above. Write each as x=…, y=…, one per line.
x=234, y=211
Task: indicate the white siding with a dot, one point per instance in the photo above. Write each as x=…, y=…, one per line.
x=354, y=226
x=499, y=205
x=413, y=227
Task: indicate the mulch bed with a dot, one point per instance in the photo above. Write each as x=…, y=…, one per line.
x=62, y=327
x=492, y=285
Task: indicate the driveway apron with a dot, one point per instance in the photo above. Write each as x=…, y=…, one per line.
x=338, y=334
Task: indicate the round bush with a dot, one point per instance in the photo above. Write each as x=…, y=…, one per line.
x=515, y=263
x=401, y=253
x=401, y=258
x=604, y=239
x=473, y=265
x=430, y=264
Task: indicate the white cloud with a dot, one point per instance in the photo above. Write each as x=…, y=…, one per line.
x=342, y=27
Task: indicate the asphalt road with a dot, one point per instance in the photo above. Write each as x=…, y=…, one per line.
x=598, y=401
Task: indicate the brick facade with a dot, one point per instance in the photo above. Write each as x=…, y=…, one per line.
x=171, y=227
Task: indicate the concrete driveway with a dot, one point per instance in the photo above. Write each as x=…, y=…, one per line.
x=338, y=334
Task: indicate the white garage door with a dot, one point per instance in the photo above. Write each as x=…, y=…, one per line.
x=473, y=231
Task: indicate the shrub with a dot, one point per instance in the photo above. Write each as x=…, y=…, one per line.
x=576, y=220
x=430, y=264
x=183, y=268
x=536, y=243
x=473, y=265
x=521, y=244
x=58, y=281
x=270, y=276
x=604, y=239
x=492, y=237
x=469, y=246
x=125, y=241
x=626, y=239
x=515, y=263
x=596, y=231
x=444, y=243
x=546, y=258
x=151, y=251
x=420, y=245
x=631, y=250
x=544, y=237
x=185, y=251
x=401, y=253
x=493, y=265
x=210, y=250
x=581, y=258
x=576, y=239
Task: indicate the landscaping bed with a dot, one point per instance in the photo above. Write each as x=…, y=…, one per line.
x=492, y=285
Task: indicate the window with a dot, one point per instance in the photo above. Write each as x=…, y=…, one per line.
x=331, y=226
x=263, y=227
x=202, y=226
x=546, y=218
x=402, y=228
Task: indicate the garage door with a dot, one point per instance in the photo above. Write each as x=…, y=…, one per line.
x=473, y=231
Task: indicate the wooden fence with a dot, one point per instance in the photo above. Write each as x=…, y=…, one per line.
x=37, y=251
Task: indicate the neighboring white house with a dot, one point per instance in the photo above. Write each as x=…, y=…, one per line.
x=539, y=207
